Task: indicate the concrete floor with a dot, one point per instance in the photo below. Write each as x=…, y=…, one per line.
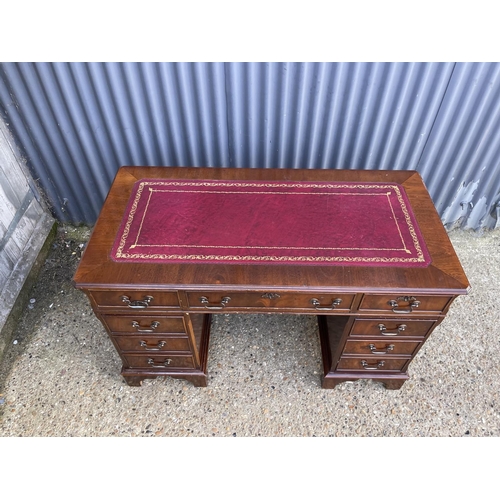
x=61, y=376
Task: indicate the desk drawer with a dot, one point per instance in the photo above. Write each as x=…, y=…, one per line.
x=374, y=348
x=270, y=300
x=405, y=304
x=388, y=328
x=159, y=361
x=151, y=344
x=369, y=364
x=145, y=324
x=135, y=300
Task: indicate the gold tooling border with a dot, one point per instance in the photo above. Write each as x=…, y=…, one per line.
x=121, y=254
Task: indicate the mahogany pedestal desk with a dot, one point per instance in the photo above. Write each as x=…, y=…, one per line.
x=378, y=280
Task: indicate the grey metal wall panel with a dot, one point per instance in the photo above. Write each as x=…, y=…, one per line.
x=325, y=115
x=78, y=122
x=461, y=161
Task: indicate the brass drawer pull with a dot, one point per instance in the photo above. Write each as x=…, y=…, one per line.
x=391, y=333
x=414, y=303
x=223, y=303
x=367, y=366
x=316, y=304
x=151, y=362
x=159, y=345
x=137, y=304
x=388, y=349
x=154, y=325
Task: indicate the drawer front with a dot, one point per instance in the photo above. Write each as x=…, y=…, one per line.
x=150, y=344
x=405, y=304
x=159, y=361
x=389, y=328
x=135, y=300
x=369, y=364
x=270, y=300
x=374, y=348
x=145, y=324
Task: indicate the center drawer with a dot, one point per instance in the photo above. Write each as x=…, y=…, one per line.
x=270, y=300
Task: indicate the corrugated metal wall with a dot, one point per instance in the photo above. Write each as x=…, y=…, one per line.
x=461, y=161
x=78, y=122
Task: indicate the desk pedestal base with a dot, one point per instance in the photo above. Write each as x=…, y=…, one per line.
x=331, y=379
x=197, y=376
x=135, y=379
x=333, y=332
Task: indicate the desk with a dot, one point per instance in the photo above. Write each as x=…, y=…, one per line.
x=377, y=290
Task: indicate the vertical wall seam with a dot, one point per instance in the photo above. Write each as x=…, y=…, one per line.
x=228, y=129
x=431, y=128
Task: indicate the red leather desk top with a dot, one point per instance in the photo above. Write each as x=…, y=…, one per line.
x=322, y=223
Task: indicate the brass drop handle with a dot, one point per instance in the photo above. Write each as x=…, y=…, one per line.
x=159, y=345
x=137, y=304
x=224, y=301
x=388, y=349
x=154, y=325
x=413, y=303
x=391, y=333
x=316, y=303
x=367, y=366
x=151, y=362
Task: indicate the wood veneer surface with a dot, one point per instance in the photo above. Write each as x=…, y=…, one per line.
x=97, y=269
